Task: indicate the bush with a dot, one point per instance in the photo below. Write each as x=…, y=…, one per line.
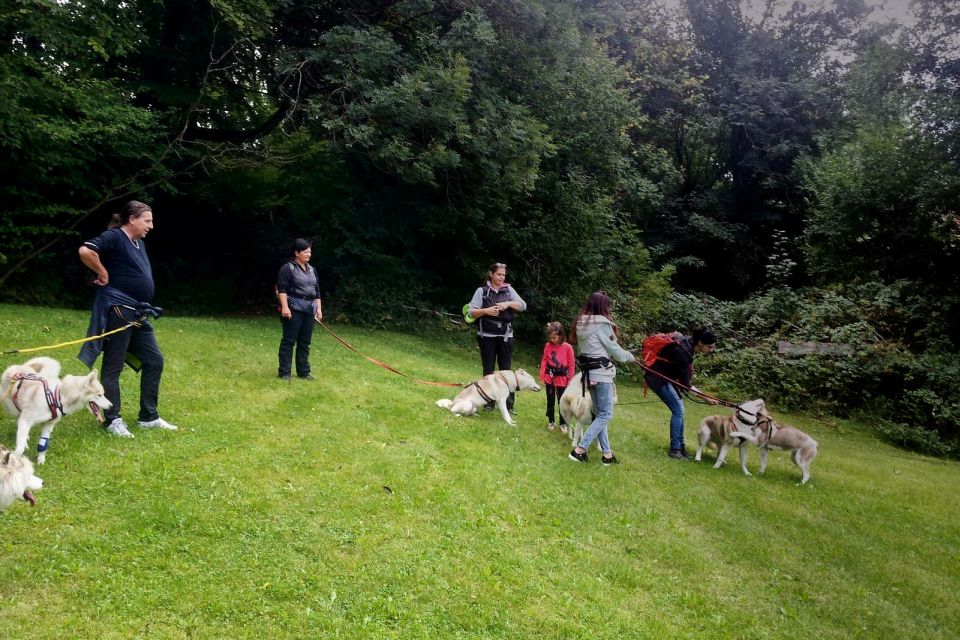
x=912, y=397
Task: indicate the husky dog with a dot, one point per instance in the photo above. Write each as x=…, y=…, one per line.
x=34, y=394
x=495, y=387
x=576, y=407
x=725, y=432
x=780, y=437
x=16, y=479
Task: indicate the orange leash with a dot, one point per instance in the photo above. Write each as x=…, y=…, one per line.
x=384, y=365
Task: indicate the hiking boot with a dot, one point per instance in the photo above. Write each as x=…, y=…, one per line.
x=285, y=377
x=679, y=454
x=159, y=423
x=611, y=460
x=578, y=457
x=307, y=377
x=118, y=427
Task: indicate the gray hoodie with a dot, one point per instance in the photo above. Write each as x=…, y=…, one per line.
x=595, y=339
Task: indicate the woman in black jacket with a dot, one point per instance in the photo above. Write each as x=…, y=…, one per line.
x=675, y=361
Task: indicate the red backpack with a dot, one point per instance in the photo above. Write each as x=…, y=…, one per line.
x=653, y=345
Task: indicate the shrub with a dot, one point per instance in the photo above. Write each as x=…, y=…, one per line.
x=912, y=396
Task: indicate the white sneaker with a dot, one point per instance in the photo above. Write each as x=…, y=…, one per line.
x=119, y=428
x=159, y=423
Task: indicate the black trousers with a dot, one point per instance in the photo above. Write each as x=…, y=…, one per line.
x=297, y=330
x=496, y=353
x=142, y=343
x=553, y=396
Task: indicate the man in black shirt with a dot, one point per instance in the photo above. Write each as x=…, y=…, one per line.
x=118, y=257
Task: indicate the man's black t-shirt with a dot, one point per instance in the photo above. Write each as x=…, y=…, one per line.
x=126, y=263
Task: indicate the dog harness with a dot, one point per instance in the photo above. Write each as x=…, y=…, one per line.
x=483, y=394
x=52, y=396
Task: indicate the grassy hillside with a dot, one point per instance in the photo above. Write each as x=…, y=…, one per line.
x=352, y=507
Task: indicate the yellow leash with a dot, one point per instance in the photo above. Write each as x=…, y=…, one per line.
x=80, y=341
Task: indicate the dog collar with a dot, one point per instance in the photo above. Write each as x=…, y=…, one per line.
x=507, y=382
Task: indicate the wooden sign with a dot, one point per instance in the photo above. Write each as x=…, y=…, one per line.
x=785, y=348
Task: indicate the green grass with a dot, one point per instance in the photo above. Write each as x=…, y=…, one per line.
x=352, y=507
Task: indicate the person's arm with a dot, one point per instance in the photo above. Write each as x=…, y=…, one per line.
x=476, y=310
x=570, y=360
x=319, y=305
x=616, y=352
x=543, y=363
x=515, y=302
x=283, y=282
x=91, y=260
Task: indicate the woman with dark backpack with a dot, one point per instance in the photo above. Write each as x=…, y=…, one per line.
x=299, y=294
x=494, y=305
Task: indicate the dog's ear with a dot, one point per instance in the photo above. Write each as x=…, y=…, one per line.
x=7, y=459
x=92, y=375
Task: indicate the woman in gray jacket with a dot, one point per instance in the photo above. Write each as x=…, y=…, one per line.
x=595, y=335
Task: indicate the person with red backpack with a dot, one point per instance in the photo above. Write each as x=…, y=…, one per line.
x=668, y=358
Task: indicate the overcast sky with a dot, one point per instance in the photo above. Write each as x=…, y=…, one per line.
x=895, y=9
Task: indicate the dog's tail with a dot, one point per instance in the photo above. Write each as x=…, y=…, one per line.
x=46, y=367
x=446, y=403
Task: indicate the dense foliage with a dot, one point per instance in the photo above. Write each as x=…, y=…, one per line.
x=784, y=163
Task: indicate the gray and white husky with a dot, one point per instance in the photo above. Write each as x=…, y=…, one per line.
x=726, y=432
x=34, y=394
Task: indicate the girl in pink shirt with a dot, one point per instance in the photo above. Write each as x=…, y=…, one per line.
x=556, y=369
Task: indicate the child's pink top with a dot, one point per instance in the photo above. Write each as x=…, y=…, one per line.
x=557, y=357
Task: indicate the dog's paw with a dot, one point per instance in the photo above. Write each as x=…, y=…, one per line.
x=747, y=473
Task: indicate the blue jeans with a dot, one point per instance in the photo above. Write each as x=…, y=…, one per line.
x=668, y=394
x=602, y=395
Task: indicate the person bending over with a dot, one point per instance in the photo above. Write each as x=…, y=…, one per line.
x=675, y=361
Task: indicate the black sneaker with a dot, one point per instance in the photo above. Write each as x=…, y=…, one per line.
x=307, y=377
x=679, y=454
x=488, y=407
x=578, y=457
x=610, y=460
x=286, y=377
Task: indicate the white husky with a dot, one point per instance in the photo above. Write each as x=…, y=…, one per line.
x=34, y=394
x=16, y=479
x=495, y=387
x=576, y=407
